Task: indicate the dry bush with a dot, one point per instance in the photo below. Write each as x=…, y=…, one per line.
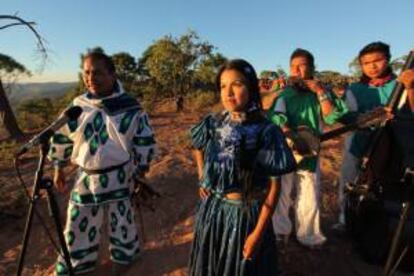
x=7, y=152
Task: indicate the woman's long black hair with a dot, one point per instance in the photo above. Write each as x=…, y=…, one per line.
x=254, y=114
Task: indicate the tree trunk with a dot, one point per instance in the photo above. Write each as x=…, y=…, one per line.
x=7, y=118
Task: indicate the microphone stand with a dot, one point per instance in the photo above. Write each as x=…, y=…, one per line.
x=46, y=184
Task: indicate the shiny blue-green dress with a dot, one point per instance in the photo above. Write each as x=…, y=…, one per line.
x=222, y=225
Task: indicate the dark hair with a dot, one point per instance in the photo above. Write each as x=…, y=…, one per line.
x=377, y=46
x=304, y=53
x=109, y=64
x=247, y=70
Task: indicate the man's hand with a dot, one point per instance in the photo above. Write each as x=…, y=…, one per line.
x=59, y=179
x=407, y=78
x=375, y=117
x=315, y=86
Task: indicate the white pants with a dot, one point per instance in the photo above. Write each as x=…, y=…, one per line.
x=307, y=210
x=349, y=171
x=83, y=232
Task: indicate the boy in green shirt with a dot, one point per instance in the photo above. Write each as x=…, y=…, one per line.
x=303, y=103
x=372, y=91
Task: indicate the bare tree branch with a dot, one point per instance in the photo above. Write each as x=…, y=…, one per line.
x=15, y=24
x=40, y=41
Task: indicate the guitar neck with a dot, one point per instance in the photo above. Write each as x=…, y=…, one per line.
x=337, y=132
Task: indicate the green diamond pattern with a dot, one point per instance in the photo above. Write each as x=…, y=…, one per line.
x=68, y=152
x=93, y=145
x=92, y=234
x=121, y=176
x=73, y=125
x=121, y=208
x=103, y=136
x=124, y=232
x=129, y=216
x=88, y=132
x=61, y=139
x=83, y=224
x=97, y=122
x=86, y=181
x=70, y=238
x=61, y=269
x=140, y=126
x=74, y=213
x=146, y=122
x=94, y=210
x=126, y=121
x=114, y=222
x=103, y=180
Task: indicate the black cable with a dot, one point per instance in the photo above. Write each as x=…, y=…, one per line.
x=37, y=214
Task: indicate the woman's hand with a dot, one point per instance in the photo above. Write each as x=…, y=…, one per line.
x=251, y=245
x=203, y=192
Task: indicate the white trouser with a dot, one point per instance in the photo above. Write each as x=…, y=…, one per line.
x=307, y=210
x=349, y=171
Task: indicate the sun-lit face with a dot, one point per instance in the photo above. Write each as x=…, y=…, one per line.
x=300, y=68
x=233, y=91
x=98, y=80
x=373, y=64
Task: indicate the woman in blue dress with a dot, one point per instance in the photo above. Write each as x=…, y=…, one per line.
x=240, y=156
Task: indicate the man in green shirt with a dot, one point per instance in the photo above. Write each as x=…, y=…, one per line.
x=305, y=102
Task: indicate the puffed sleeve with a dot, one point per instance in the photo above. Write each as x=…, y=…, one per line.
x=201, y=133
x=274, y=156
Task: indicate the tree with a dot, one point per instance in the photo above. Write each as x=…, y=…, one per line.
x=170, y=63
x=10, y=67
x=332, y=78
x=354, y=67
x=205, y=75
x=127, y=70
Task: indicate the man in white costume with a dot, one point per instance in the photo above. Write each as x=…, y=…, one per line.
x=109, y=142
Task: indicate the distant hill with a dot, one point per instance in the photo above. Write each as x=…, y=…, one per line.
x=26, y=91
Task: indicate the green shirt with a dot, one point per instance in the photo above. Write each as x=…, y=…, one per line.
x=362, y=98
x=295, y=108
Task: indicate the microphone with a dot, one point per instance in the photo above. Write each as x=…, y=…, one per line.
x=69, y=114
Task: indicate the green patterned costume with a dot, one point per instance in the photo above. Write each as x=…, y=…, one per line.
x=110, y=141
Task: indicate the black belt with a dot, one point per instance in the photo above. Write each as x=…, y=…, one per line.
x=105, y=170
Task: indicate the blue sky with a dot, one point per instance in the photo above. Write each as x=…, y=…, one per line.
x=263, y=32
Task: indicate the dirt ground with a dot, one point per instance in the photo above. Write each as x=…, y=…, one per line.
x=168, y=230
